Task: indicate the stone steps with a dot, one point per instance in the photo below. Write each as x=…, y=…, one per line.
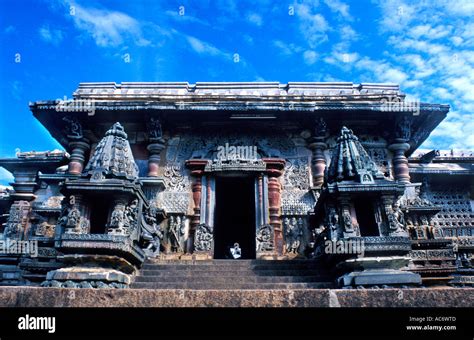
x=232, y=274
x=232, y=279
x=224, y=286
x=235, y=273
x=237, y=266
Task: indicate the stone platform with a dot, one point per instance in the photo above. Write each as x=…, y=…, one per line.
x=70, y=297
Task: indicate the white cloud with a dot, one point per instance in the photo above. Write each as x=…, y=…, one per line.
x=455, y=131
x=339, y=7
x=343, y=59
x=442, y=93
x=255, y=19
x=381, y=70
x=347, y=33
x=418, y=45
x=175, y=15
x=459, y=7
x=429, y=32
x=310, y=57
x=51, y=35
x=287, y=49
x=313, y=26
x=108, y=28
x=205, y=48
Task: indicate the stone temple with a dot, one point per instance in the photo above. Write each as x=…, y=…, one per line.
x=320, y=184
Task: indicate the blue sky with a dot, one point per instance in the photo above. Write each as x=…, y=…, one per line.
x=48, y=47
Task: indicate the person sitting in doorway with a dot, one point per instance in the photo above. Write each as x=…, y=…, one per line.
x=236, y=251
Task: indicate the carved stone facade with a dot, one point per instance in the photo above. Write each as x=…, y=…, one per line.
x=157, y=184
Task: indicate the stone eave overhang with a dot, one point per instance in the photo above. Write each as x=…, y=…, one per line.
x=103, y=187
x=360, y=104
x=37, y=164
x=186, y=104
x=377, y=187
x=441, y=172
x=439, y=159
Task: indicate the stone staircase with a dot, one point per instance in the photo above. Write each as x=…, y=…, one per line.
x=232, y=274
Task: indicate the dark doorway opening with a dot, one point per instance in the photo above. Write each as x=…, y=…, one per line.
x=366, y=218
x=234, y=216
x=99, y=215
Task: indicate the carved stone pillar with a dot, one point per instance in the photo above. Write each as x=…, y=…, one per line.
x=317, y=146
x=157, y=144
x=78, y=145
x=400, y=162
x=319, y=162
x=274, y=170
x=399, y=146
x=78, y=156
x=197, y=170
x=154, y=159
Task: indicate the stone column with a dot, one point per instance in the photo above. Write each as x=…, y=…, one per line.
x=274, y=171
x=197, y=170
x=154, y=149
x=317, y=146
x=78, y=145
x=78, y=156
x=399, y=146
x=318, y=161
x=400, y=162
x=157, y=144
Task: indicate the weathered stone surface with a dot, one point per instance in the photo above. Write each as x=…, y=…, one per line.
x=63, y=297
x=87, y=274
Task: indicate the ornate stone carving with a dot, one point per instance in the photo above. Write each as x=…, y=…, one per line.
x=174, y=202
x=265, y=238
x=45, y=229
x=203, y=238
x=73, y=222
x=53, y=202
x=154, y=129
x=347, y=222
x=293, y=234
x=296, y=202
x=333, y=224
x=296, y=175
x=17, y=220
x=152, y=234
x=176, y=229
x=123, y=219
x=396, y=220
x=73, y=128
x=235, y=165
x=113, y=156
x=174, y=178
x=350, y=161
x=403, y=128
x=320, y=128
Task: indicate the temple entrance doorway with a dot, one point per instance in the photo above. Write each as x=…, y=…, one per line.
x=234, y=216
